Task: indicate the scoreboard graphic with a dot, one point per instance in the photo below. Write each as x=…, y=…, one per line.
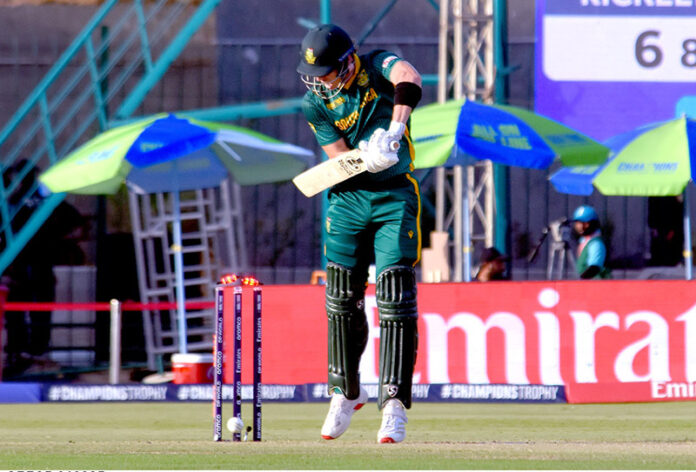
x=607, y=66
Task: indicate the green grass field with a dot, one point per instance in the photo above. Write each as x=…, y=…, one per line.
x=440, y=436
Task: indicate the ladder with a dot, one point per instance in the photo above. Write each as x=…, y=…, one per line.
x=213, y=244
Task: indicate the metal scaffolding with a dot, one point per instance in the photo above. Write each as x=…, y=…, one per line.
x=465, y=195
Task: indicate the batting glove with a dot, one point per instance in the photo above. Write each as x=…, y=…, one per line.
x=388, y=141
x=376, y=161
x=375, y=139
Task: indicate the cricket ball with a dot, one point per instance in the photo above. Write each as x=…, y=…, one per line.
x=235, y=425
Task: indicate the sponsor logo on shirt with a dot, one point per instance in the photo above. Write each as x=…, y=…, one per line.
x=388, y=60
x=336, y=103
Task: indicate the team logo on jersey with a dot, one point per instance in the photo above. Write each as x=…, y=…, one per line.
x=410, y=235
x=309, y=56
x=363, y=80
x=388, y=60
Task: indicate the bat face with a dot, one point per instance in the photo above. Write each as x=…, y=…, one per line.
x=333, y=171
x=330, y=173
x=352, y=165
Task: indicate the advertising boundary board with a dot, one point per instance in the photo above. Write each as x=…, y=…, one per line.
x=573, y=333
x=604, y=341
x=83, y=393
x=631, y=392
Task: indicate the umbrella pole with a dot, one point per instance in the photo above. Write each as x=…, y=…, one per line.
x=466, y=228
x=687, y=235
x=179, y=274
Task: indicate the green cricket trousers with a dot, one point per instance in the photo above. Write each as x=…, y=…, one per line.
x=377, y=221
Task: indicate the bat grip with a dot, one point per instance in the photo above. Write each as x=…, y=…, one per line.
x=394, y=145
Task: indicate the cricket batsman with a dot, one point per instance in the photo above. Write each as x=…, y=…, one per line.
x=365, y=101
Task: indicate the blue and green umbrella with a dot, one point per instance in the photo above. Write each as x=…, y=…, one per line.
x=504, y=134
x=655, y=160
x=166, y=153
x=459, y=132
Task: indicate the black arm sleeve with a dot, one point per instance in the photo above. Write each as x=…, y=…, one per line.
x=407, y=93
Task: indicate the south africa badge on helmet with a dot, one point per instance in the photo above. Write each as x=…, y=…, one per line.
x=309, y=56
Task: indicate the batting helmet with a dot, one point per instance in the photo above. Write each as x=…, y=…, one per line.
x=323, y=49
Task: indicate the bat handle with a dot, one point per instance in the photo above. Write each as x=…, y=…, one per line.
x=394, y=145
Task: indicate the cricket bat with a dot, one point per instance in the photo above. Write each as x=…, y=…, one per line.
x=332, y=172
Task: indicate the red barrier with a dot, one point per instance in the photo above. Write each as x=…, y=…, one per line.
x=3, y=298
x=583, y=333
x=605, y=340
x=293, y=333
x=630, y=392
x=102, y=306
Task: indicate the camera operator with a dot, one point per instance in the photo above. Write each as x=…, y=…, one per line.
x=592, y=251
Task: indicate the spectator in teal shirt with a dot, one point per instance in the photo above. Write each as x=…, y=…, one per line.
x=592, y=251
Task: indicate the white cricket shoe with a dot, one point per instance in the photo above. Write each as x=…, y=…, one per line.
x=393, y=429
x=340, y=413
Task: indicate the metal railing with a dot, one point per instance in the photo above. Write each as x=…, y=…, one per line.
x=113, y=63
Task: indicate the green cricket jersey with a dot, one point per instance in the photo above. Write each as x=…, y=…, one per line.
x=370, y=215
x=362, y=106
